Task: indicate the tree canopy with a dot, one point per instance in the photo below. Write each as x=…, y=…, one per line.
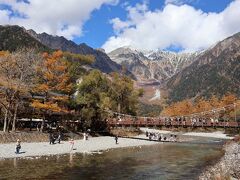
x=98, y=92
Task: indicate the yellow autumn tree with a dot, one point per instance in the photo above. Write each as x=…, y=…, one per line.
x=181, y=108
x=229, y=99
x=17, y=70
x=202, y=105
x=230, y=102
x=215, y=102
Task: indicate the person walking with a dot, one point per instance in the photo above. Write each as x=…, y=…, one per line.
x=84, y=136
x=59, y=137
x=39, y=127
x=51, y=138
x=71, y=145
x=116, y=139
x=18, y=146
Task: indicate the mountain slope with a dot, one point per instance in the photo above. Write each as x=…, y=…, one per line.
x=148, y=65
x=102, y=61
x=15, y=37
x=216, y=71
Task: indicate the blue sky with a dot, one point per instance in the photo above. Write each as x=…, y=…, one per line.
x=101, y=18
x=177, y=25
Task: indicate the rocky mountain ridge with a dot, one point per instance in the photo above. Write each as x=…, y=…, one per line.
x=148, y=65
x=102, y=61
x=15, y=37
x=214, y=72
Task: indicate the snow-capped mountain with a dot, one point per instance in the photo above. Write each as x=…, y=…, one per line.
x=158, y=65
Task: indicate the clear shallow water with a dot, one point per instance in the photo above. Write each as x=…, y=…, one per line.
x=162, y=161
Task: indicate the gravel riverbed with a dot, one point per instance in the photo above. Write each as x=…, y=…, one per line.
x=80, y=146
x=228, y=167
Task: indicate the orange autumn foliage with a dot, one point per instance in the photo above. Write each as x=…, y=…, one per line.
x=188, y=107
x=51, y=106
x=4, y=53
x=53, y=82
x=54, y=74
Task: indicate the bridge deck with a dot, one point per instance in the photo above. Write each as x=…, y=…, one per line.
x=140, y=123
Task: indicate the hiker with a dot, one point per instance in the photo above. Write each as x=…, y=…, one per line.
x=51, y=138
x=59, y=137
x=146, y=133
x=84, y=136
x=71, y=144
x=175, y=138
x=39, y=127
x=18, y=146
x=116, y=139
x=160, y=138
x=150, y=136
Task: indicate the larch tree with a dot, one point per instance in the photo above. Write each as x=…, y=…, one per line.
x=202, y=105
x=93, y=96
x=124, y=94
x=229, y=99
x=53, y=84
x=215, y=102
x=16, y=79
x=99, y=92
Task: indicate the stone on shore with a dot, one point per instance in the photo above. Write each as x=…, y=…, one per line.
x=228, y=167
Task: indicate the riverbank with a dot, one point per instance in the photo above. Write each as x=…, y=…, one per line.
x=228, y=167
x=217, y=134
x=80, y=146
x=7, y=150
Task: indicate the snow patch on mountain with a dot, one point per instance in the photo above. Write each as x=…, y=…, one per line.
x=156, y=96
x=154, y=64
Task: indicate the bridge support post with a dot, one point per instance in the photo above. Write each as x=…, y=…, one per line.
x=235, y=114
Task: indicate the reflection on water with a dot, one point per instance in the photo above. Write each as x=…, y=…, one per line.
x=162, y=161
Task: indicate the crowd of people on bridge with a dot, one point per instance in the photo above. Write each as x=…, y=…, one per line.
x=173, y=121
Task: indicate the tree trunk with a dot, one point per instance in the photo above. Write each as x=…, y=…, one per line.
x=6, y=118
x=15, y=117
x=5, y=121
x=30, y=124
x=9, y=121
x=43, y=123
x=119, y=108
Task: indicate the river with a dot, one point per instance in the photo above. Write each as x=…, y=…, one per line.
x=161, y=161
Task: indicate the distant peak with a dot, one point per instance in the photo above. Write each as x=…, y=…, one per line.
x=84, y=45
x=101, y=49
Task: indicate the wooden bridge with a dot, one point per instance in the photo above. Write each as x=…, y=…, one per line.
x=211, y=118
x=171, y=123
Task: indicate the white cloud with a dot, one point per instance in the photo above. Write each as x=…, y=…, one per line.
x=178, y=2
x=4, y=16
x=174, y=25
x=57, y=17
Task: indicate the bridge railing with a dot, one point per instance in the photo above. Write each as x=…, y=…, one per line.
x=160, y=122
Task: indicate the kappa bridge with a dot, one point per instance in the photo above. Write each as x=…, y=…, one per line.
x=171, y=123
